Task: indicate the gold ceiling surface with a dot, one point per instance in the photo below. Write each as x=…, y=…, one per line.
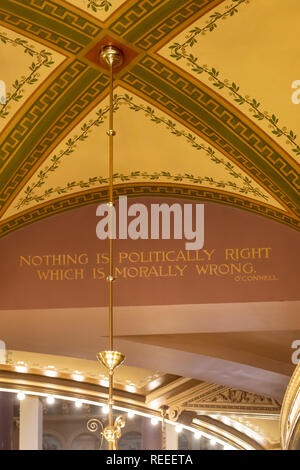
x=204, y=104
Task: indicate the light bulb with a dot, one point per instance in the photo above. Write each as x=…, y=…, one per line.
x=104, y=383
x=21, y=369
x=178, y=428
x=51, y=373
x=21, y=396
x=78, y=377
x=50, y=400
x=105, y=409
x=197, y=435
x=131, y=414
x=154, y=421
x=78, y=404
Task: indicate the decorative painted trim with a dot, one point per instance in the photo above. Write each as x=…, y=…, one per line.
x=147, y=22
x=52, y=94
x=155, y=176
x=202, y=112
x=179, y=51
x=171, y=126
x=96, y=195
x=49, y=21
x=212, y=24
x=70, y=146
x=149, y=112
x=65, y=99
x=175, y=93
x=42, y=59
x=95, y=6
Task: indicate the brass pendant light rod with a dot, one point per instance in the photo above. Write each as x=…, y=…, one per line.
x=111, y=133
x=111, y=56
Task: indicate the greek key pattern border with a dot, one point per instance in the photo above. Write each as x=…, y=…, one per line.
x=57, y=11
x=52, y=94
x=166, y=16
x=193, y=103
x=66, y=30
x=174, y=93
x=133, y=16
x=96, y=195
x=21, y=134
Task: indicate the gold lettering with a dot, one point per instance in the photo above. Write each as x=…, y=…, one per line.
x=134, y=257
x=98, y=273
x=229, y=253
x=248, y=268
x=122, y=256
x=209, y=253
x=202, y=269
x=37, y=260
x=135, y=272
x=24, y=260
x=181, y=270
x=82, y=259
x=168, y=255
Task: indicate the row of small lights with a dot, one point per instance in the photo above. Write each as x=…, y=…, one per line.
x=240, y=427
x=51, y=372
x=77, y=375
x=50, y=399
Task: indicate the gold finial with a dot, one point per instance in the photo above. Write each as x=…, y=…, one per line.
x=111, y=55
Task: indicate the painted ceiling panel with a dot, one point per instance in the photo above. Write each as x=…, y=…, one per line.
x=100, y=9
x=212, y=121
x=173, y=154
x=32, y=65
x=178, y=129
x=248, y=59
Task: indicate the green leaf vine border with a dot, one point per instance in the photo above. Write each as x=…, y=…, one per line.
x=179, y=51
x=96, y=5
x=71, y=144
x=41, y=59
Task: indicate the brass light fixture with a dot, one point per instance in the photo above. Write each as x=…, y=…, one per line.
x=111, y=56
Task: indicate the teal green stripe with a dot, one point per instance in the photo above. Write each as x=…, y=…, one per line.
x=152, y=20
x=173, y=93
x=55, y=112
x=45, y=21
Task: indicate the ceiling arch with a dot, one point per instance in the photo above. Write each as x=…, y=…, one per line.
x=183, y=129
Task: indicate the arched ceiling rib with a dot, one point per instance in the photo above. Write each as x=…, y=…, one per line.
x=184, y=127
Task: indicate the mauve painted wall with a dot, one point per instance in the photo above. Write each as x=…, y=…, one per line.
x=74, y=232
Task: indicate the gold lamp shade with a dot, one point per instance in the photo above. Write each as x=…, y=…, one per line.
x=110, y=359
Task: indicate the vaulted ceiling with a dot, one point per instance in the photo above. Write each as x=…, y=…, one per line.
x=204, y=111
x=204, y=105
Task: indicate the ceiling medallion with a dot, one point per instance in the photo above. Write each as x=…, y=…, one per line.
x=108, y=49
